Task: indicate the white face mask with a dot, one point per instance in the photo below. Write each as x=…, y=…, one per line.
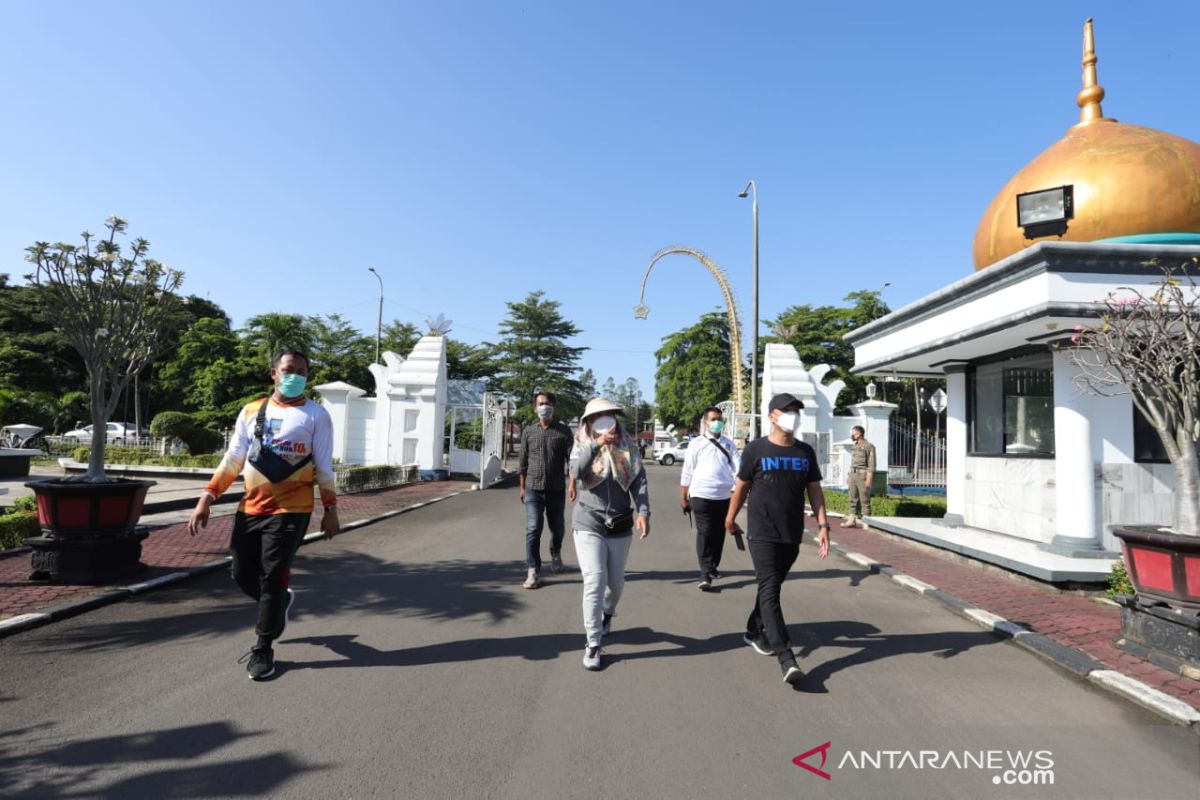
x=788, y=422
x=603, y=424
x=545, y=411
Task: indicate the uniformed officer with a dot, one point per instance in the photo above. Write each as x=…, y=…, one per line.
x=862, y=473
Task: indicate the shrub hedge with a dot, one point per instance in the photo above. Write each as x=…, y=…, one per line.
x=181, y=426
x=18, y=522
x=1118, y=581
x=133, y=456
x=889, y=506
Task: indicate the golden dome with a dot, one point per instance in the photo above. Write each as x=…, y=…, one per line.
x=1128, y=180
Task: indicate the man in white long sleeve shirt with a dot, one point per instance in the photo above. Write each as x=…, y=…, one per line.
x=709, y=472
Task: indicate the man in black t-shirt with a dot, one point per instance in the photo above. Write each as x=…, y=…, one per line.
x=776, y=471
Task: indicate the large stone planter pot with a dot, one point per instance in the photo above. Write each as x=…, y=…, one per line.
x=1164, y=567
x=89, y=530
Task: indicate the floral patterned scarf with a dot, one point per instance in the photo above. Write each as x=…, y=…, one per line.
x=621, y=461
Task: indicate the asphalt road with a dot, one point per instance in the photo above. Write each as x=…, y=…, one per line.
x=416, y=666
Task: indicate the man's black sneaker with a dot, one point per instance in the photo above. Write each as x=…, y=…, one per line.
x=556, y=563
x=705, y=584
x=606, y=625
x=262, y=663
x=792, y=674
x=759, y=643
x=287, y=609
x=715, y=575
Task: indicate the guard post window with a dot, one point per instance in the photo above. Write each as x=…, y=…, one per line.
x=1012, y=406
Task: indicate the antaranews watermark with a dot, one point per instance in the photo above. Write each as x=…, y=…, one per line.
x=1008, y=767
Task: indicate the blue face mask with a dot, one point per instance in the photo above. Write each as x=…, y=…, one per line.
x=716, y=426
x=291, y=385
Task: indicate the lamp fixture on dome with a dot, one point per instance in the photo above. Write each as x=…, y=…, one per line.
x=1045, y=212
x=1129, y=184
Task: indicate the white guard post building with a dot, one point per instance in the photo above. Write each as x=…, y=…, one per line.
x=1037, y=471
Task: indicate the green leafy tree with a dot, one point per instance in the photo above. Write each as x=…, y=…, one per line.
x=338, y=352
x=113, y=304
x=34, y=356
x=212, y=373
x=587, y=384
x=149, y=391
x=399, y=337
x=471, y=362
x=693, y=370
x=533, y=354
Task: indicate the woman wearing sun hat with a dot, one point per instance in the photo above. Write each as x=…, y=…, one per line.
x=613, y=500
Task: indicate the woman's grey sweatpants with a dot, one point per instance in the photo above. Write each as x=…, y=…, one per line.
x=602, y=562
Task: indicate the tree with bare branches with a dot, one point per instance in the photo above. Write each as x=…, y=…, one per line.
x=1147, y=345
x=113, y=304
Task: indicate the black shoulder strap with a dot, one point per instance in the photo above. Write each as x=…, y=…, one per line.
x=260, y=419
x=724, y=452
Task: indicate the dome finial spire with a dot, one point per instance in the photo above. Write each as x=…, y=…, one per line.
x=1092, y=93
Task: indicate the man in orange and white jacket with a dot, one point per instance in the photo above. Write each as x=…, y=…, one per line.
x=284, y=444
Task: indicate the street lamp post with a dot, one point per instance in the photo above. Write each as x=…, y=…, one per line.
x=379, y=319
x=752, y=187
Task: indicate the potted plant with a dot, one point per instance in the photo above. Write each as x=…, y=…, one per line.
x=113, y=305
x=1147, y=345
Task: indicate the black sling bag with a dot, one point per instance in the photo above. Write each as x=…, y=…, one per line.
x=270, y=464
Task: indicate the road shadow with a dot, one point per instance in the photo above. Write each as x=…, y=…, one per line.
x=871, y=644
x=333, y=584
x=99, y=767
x=538, y=647
x=738, y=579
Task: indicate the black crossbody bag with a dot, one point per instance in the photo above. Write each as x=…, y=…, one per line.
x=270, y=464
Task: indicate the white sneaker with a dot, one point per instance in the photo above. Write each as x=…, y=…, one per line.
x=591, y=658
x=531, y=579
x=759, y=644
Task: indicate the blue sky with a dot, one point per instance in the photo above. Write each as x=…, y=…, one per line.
x=475, y=151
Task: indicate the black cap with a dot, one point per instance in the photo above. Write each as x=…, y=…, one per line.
x=783, y=401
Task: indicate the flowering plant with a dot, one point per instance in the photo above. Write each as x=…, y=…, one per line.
x=114, y=306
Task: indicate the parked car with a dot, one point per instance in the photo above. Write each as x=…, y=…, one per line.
x=670, y=455
x=117, y=433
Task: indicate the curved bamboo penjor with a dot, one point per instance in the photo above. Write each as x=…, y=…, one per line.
x=641, y=310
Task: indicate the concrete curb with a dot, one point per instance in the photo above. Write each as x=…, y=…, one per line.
x=1075, y=661
x=45, y=616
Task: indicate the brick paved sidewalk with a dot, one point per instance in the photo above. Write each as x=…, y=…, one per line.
x=169, y=548
x=1069, y=618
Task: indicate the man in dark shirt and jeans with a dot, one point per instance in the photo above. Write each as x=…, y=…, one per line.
x=776, y=470
x=545, y=451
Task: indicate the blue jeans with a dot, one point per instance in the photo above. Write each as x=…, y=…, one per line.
x=539, y=502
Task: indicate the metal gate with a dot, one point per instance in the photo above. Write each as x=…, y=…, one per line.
x=475, y=433
x=917, y=459
x=491, y=456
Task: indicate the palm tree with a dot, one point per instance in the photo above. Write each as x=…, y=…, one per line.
x=267, y=334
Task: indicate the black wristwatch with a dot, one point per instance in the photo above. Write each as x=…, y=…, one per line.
x=824, y=525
